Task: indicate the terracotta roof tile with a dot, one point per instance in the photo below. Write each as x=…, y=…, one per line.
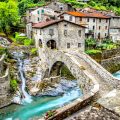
x=51, y=22
x=81, y=14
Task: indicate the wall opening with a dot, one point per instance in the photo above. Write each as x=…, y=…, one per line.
x=51, y=44
x=59, y=68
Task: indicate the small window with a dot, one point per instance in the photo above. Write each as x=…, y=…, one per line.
x=106, y=20
x=80, y=18
x=65, y=32
x=65, y=25
x=55, y=3
x=38, y=12
x=99, y=27
x=106, y=27
x=105, y=34
x=79, y=33
x=38, y=19
x=98, y=35
x=79, y=45
x=93, y=19
x=70, y=18
x=42, y=11
x=88, y=20
x=40, y=32
x=100, y=20
x=68, y=45
x=93, y=27
x=51, y=32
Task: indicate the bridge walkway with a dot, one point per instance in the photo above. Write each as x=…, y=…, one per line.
x=104, y=86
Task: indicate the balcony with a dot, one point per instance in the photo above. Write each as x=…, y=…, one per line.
x=87, y=31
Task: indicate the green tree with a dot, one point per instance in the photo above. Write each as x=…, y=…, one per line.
x=9, y=17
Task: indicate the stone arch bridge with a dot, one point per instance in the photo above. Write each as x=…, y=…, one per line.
x=90, y=75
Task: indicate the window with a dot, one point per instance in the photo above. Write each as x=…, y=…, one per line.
x=68, y=45
x=42, y=11
x=65, y=25
x=65, y=32
x=79, y=33
x=55, y=3
x=38, y=19
x=70, y=18
x=79, y=45
x=40, y=32
x=98, y=35
x=88, y=20
x=106, y=27
x=93, y=19
x=38, y=12
x=80, y=19
x=51, y=32
x=93, y=27
x=61, y=8
x=105, y=34
x=100, y=20
x=99, y=27
x=106, y=20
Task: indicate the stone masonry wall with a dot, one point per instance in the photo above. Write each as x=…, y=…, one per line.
x=111, y=64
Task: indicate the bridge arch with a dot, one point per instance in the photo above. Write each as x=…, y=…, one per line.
x=60, y=68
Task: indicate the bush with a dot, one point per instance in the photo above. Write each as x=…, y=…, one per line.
x=34, y=51
x=13, y=85
x=3, y=50
x=92, y=52
x=23, y=40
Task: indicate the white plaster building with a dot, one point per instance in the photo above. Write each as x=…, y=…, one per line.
x=115, y=28
x=97, y=24
x=59, y=34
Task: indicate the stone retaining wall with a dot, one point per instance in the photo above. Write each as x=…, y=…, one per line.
x=110, y=53
x=111, y=64
x=107, y=77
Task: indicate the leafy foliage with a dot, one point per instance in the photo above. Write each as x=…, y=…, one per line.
x=9, y=17
x=13, y=85
x=93, y=51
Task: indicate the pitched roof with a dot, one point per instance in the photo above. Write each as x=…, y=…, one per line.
x=51, y=22
x=82, y=14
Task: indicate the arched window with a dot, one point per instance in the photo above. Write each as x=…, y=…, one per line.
x=51, y=44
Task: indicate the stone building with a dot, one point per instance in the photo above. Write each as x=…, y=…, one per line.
x=97, y=24
x=59, y=34
x=60, y=7
x=115, y=28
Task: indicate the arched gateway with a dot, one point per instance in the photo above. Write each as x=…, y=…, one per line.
x=51, y=44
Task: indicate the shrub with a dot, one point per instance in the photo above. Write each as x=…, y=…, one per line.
x=28, y=42
x=23, y=40
x=34, y=51
x=3, y=50
x=92, y=52
x=13, y=85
